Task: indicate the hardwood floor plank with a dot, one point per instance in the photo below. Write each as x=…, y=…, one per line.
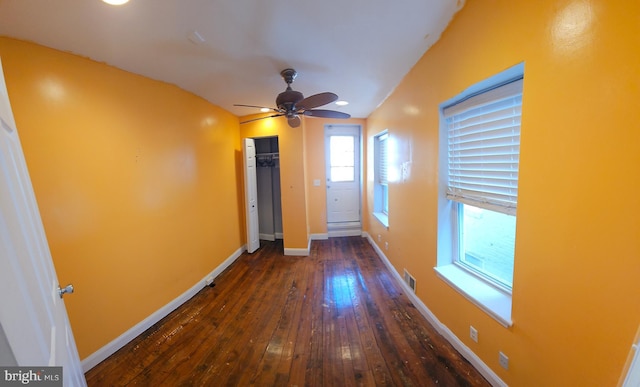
x=260, y=317
x=302, y=327
x=334, y=318
x=275, y=337
x=315, y=362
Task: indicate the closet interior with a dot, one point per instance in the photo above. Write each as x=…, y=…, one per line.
x=268, y=186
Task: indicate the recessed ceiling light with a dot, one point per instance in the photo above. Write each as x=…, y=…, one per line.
x=116, y=2
x=195, y=37
x=342, y=103
x=264, y=110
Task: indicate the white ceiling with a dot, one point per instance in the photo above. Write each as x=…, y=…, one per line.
x=358, y=49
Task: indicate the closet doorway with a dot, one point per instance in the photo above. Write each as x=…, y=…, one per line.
x=268, y=186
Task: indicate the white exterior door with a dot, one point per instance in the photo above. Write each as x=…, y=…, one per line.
x=251, y=195
x=32, y=313
x=342, y=144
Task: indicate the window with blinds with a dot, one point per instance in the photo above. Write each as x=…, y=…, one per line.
x=479, y=160
x=482, y=156
x=381, y=191
x=382, y=158
x=484, y=148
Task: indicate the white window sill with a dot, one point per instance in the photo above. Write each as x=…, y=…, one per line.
x=382, y=218
x=493, y=301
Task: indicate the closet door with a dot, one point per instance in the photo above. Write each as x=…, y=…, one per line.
x=251, y=194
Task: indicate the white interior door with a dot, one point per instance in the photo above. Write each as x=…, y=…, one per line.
x=32, y=313
x=343, y=173
x=251, y=195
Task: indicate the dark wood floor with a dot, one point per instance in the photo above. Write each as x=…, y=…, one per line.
x=335, y=318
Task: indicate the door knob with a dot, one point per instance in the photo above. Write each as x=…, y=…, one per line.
x=66, y=289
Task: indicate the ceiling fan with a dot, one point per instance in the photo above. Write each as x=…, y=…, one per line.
x=292, y=104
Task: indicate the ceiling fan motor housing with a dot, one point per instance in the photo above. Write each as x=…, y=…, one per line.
x=287, y=100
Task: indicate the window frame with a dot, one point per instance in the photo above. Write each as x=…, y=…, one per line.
x=488, y=295
x=380, y=189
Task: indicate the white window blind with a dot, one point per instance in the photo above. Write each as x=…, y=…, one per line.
x=484, y=148
x=382, y=159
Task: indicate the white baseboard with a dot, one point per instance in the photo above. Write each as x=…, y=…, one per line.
x=468, y=354
x=267, y=237
x=296, y=252
x=344, y=225
x=344, y=229
x=299, y=252
x=344, y=233
x=319, y=237
x=109, y=349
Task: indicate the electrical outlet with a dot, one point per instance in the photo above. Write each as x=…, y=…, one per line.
x=379, y=238
x=386, y=245
x=473, y=333
x=503, y=360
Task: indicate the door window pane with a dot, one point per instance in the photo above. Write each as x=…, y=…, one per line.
x=342, y=158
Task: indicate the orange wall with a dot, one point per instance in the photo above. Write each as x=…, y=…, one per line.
x=293, y=196
x=136, y=180
x=575, y=296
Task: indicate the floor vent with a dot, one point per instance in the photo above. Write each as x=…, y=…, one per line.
x=408, y=278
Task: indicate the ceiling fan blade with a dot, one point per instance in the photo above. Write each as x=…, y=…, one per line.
x=294, y=121
x=262, y=118
x=258, y=107
x=326, y=113
x=316, y=100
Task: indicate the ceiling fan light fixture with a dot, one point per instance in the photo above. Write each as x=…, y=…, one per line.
x=116, y=2
x=342, y=103
x=265, y=109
